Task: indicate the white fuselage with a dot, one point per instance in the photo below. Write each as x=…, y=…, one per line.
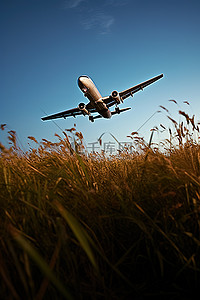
x=90, y=91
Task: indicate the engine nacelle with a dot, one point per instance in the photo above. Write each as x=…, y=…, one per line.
x=115, y=95
x=82, y=107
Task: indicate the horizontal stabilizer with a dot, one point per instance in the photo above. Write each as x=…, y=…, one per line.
x=97, y=117
x=118, y=111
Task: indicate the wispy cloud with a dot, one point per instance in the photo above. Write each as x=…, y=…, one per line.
x=77, y=3
x=73, y=3
x=116, y=2
x=100, y=21
x=93, y=16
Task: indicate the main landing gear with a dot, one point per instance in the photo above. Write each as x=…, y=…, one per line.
x=117, y=110
x=91, y=118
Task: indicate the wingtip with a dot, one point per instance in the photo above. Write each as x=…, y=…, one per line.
x=160, y=76
x=43, y=118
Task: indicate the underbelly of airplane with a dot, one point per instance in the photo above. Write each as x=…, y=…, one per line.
x=105, y=113
x=100, y=106
x=102, y=109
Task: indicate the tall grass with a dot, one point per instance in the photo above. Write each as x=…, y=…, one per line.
x=85, y=226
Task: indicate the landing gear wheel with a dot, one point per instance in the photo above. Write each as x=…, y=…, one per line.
x=91, y=118
x=117, y=110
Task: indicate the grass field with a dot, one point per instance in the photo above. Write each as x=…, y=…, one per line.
x=87, y=226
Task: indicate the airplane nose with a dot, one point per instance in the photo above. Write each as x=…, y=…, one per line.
x=82, y=77
x=80, y=83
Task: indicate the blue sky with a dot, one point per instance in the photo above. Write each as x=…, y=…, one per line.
x=47, y=44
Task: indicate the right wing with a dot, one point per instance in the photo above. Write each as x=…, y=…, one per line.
x=70, y=113
x=64, y=114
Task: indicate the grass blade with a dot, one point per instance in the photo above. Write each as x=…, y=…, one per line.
x=78, y=231
x=41, y=263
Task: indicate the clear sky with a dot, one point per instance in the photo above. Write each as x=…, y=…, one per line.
x=47, y=44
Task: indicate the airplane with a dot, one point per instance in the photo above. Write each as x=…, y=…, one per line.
x=99, y=104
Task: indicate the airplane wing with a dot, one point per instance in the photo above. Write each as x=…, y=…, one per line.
x=125, y=94
x=70, y=112
x=129, y=92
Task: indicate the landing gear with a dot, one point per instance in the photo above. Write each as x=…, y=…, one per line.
x=117, y=110
x=91, y=118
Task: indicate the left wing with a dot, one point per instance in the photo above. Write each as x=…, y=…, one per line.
x=109, y=101
x=125, y=94
x=70, y=113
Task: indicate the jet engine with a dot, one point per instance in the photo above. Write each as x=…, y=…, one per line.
x=115, y=95
x=82, y=107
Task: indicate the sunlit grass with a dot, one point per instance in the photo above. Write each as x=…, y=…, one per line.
x=76, y=225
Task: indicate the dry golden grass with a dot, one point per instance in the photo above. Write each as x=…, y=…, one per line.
x=87, y=226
